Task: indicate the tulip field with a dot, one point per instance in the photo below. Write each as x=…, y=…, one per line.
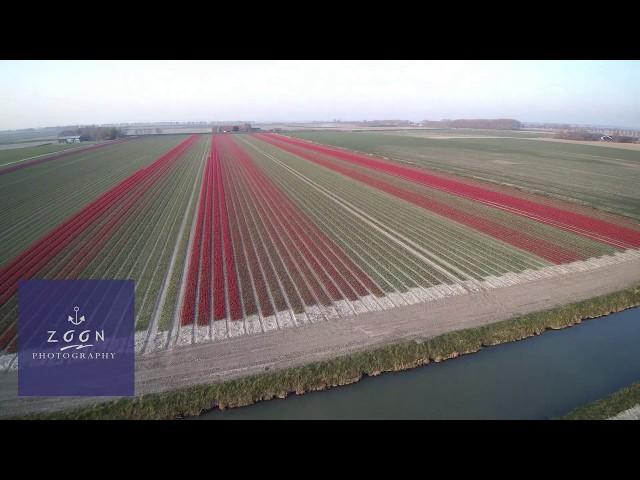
x=240, y=234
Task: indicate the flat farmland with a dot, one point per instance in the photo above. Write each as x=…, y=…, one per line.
x=604, y=178
x=38, y=198
x=22, y=152
x=470, y=133
x=234, y=238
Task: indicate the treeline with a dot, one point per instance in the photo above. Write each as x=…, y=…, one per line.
x=480, y=123
x=94, y=133
x=590, y=136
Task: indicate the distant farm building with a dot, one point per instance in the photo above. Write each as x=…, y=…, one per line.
x=246, y=127
x=69, y=139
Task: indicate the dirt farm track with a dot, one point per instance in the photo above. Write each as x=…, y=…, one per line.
x=247, y=354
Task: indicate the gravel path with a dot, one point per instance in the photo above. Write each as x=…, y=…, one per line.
x=632, y=414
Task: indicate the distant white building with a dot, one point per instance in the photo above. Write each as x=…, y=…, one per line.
x=69, y=139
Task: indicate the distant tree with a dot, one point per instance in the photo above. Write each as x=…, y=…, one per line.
x=114, y=133
x=578, y=135
x=70, y=133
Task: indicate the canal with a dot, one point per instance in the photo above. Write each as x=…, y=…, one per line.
x=536, y=378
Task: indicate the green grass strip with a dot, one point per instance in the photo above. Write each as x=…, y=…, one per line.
x=609, y=406
x=348, y=369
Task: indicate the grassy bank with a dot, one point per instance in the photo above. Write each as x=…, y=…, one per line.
x=609, y=406
x=349, y=369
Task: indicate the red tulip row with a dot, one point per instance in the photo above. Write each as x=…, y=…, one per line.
x=224, y=249
x=250, y=178
x=584, y=225
x=581, y=248
x=287, y=258
x=269, y=297
x=212, y=241
x=245, y=243
x=218, y=268
x=54, y=156
x=235, y=307
x=189, y=298
x=240, y=243
x=204, y=282
x=108, y=211
x=328, y=262
x=260, y=244
x=535, y=245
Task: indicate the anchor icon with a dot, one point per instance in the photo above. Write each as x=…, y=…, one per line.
x=76, y=321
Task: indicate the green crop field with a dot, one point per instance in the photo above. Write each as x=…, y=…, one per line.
x=15, y=155
x=38, y=198
x=600, y=177
x=468, y=132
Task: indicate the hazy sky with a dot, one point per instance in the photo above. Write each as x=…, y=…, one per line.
x=47, y=93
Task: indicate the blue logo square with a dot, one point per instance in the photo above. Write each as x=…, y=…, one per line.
x=76, y=338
